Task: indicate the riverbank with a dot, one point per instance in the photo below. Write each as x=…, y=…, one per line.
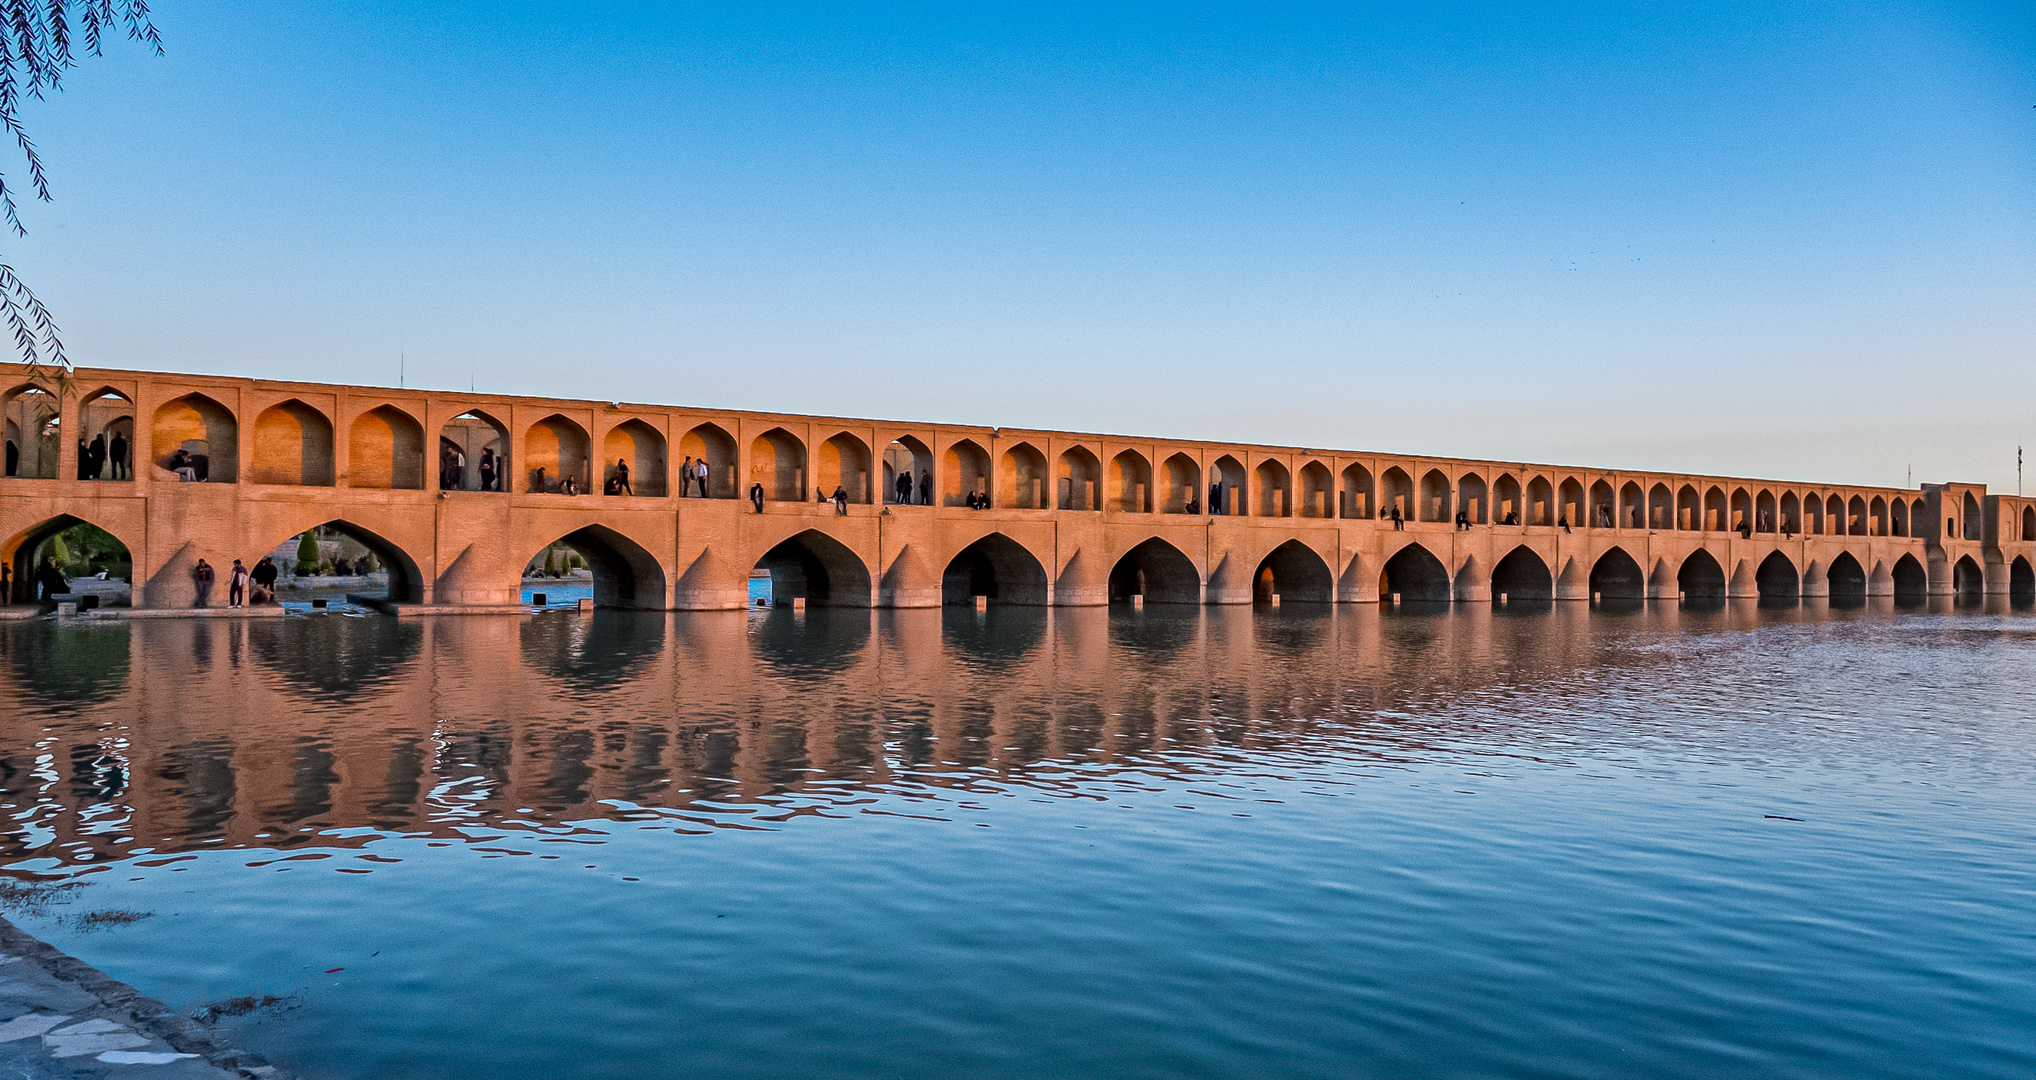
x=61, y=1017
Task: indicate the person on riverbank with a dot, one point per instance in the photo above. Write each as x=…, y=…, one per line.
x=236, y=585
x=201, y=580
x=50, y=580
x=264, y=577
x=756, y=495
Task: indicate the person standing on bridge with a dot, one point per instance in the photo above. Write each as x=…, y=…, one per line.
x=700, y=474
x=1399, y=523
x=925, y=489
x=13, y=458
x=622, y=476
x=117, y=450
x=1216, y=498
x=201, y=580
x=901, y=491
x=488, y=469
x=840, y=499
x=95, y=461
x=236, y=585
x=686, y=476
x=756, y=495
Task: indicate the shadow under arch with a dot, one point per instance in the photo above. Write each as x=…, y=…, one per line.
x=592, y=653
x=406, y=583
x=996, y=567
x=1847, y=580
x=1778, y=579
x=815, y=645
x=1968, y=582
x=19, y=553
x=817, y=568
x=1911, y=581
x=1701, y=579
x=625, y=575
x=1521, y=575
x=1157, y=571
x=1615, y=576
x=996, y=639
x=1294, y=573
x=1415, y=576
x=2021, y=581
x=333, y=658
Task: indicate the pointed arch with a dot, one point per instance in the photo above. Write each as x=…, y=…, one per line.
x=1294, y=573
x=844, y=465
x=1570, y=508
x=2021, y=581
x=1507, y=508
x=996, y=567
x=1275, y=499
x=626, y=574
x=1355, y=499
x=1847, y=580
x=1615, y=576
x=106, y=417
x=473, y=453
x=1540, y=502
x=1777, y=578
x=1972, y=523
x=1764, y=519
x=1472, y=501
x=1315, y=496
x=205, y=430
x=1227, y=493
x=1968, y=581
x=406, y=582
x=817, y=568
x=710, y=442
x=1130, y=483
x=2028, y=522
x=643, y=448
x=1183, y=484
x=1689, y=509
x=1522, y=575
x=1414, y=575
x=1911, y=581
x=777, y=460
x=1717, y=511
x=1022, y=479
x=385, y=450
x=32, y=421
x=907, y=461
x=1632, y=506
x=1604, y=515
x=292, y=445
x=1813, y=514
x=1855, y=512
x=1396, y=494
x=1701, y=578
x=21, y=552
x=965, y=471
x=1791, y=510
x=556, y=449
x=1079, y=485
x=1435, y=496
x=1877, y=517
x=1157, y=571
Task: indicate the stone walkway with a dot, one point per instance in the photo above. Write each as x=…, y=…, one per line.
x=62, y=1018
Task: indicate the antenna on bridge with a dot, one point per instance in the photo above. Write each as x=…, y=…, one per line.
x=2018, y=472
x=400, y=358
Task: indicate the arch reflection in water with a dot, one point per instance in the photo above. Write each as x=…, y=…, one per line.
x=65, y=667
x=326, y=657
x=592, y=652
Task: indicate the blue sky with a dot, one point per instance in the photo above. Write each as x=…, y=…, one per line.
x=1794, y=241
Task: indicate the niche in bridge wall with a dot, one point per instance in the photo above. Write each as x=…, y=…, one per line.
x=1507, y=508
x=1354, y=500
x=1274, y=489
x=777, y=460
x=106, y=421
x=1471, y=498
x=1183, y=485
x=1396, y=494
x=643, y=449
x=483, y=445
x=844, y=464
x=385, y=449
x=1660, y=507
x=964, y=471
x=708, y=442
x=292, y=445
x=1435, y=500
x=1315, y=491
x=33, y=429
x=1022, y=482
x=1632, y=506
x=207, y=433
x=907, y=469
x=1227, y=474
x=1130, y=483
x=555, y=450
x=1080, y=483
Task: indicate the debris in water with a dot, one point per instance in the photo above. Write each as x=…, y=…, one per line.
x=103, y=920
x=242, y=1006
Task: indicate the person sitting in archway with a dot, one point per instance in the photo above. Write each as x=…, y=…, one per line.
x=1563, y=521
x=1512, y=518
x=1194, y=503
x=622, y=477
x=1399, y=520
x=180, y=463
x=1462, y=520
x=756, y=495
x=537, y=481
x=570, y=485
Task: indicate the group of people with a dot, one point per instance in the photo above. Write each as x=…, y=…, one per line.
x=190, y=468
x=692, y=473
x=95, y=456
x=902, y=490
x=244, y=585
x=452, y=468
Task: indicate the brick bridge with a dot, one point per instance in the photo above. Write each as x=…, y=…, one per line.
x=1071, y=518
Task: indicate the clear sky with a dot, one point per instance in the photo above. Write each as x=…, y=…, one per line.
x=1777, y=241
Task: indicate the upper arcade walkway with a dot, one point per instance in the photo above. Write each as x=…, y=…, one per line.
x=1071, y=518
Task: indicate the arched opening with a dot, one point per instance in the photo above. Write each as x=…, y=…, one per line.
x=1130, y=483
x=908, y=472
x=1315, y=490
x=1834, y=511
x=1716, y=513
x=1856, y=511
x=1471, y=499
x=997, y=568
x=1615, y=576
x=1022, y=483
x=1183, y=485
x=1435, y=496
x=1603, y=514
x=1973, y=522
x=196, y=438
x=965, y=472
x=2021, y=581
x=1396, y=494
x=1355, y=498
x=818, y=569
x=1919, y=519
x=1226, y=486
x=1898, y=518
x=1660, y=508
x=292, y=445
x=1701, y=578
x=1764, y=512
x=385, y=451
x=2028, y=522
x=1689, y=509
x=1540, y=502
x=1877, y=517
x=331, y=561
x=1507, y=508
x=1295, y=574
x=1967, y=581
x=1521, y=575
x=106, y=417
x=1157, y=571
x=1570, y=507
x=473, y=453
x=33, y=428
x=556, y=455
x=844, y=467
x=633, y=460
x=1791, y=513
x=1632, y=506
x=1080, y=484
x=1742, y=511
x=777, y=461
x=624, y=574
x=1274, y=498
x=1813, y=514
x=1413, y=575
x=1912, y=582
x=1848, y=580
x=67, y=556
x=707, y=444
x=1777, y=578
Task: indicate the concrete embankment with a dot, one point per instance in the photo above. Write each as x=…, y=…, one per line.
x=61, y=1017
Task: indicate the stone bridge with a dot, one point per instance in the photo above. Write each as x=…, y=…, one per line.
x=1065, y=518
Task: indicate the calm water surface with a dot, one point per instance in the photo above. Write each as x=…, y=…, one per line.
x=1172, y=843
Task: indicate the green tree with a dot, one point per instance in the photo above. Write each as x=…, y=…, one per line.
x=307, y=554
x=42, y=39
